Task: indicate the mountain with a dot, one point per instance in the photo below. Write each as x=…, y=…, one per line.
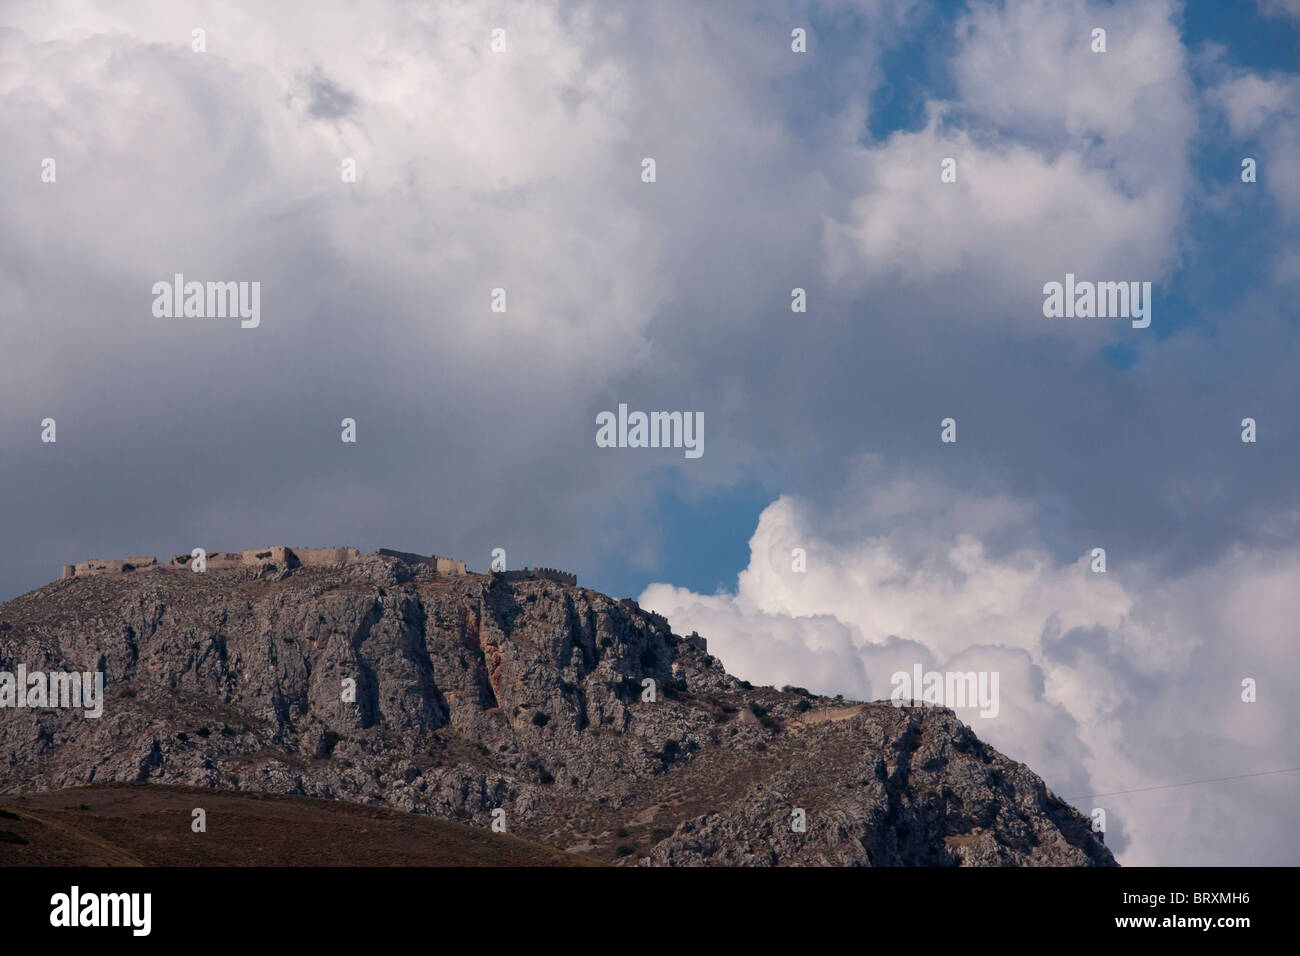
x=518, y=692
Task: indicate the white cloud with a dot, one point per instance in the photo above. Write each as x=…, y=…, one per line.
x=1280, y=8
x=1264, y=115
x=1067, y=160
x=476, y=170
x=1110, y=681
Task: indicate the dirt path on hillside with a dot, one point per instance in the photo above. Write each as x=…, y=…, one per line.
x=828, y=716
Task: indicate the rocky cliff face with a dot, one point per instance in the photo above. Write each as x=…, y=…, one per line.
x=474, y=694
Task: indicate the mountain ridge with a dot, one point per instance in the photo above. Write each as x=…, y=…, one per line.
x=475, y=694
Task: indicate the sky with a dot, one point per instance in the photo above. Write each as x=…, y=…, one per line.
x=516, y=161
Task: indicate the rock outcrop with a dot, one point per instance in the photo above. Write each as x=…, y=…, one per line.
x=475, y=693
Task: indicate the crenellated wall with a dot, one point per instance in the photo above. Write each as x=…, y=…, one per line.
x=656, y=617
x=537, y=574
x=448, y=565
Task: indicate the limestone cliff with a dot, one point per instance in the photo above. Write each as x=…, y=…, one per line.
x=475, y=693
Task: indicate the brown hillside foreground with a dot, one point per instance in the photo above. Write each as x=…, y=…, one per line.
x=149, y=825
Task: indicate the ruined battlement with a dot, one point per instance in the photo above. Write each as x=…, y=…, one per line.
x=255, y=557
x=278, y=554
x=108, y=566
x=440, y=565
x=536, y=574
x=656, y=618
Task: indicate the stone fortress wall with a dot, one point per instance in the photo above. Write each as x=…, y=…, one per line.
x=332, y=557
x=306, y=558
x=440, y=565
x=254, y=557
x=654, y=616
x=693, y=638
x=108, y=566
x=536, y=574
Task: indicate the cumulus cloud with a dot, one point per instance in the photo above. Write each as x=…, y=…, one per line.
x=475, y=171
x=1280, y=8
x=1066, y=161
x=1108, y=681
x=1264, y=112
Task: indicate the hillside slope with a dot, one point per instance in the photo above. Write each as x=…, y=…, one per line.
x=475, y=694
x=135, y=824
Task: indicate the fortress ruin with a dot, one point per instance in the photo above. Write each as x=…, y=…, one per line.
x=256, y=557
x=304, y=558
x=654, y=616
x=536, y=574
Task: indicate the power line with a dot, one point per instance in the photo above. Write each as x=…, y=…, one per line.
x=1189, y=783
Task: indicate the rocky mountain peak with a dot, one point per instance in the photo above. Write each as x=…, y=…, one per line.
x=392, y=680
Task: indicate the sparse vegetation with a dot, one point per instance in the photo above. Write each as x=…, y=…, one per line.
x=764, y=718
x=624, y=849
x=261, y=828
x=675, y=688
x=329, y=740
x=627, y=689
